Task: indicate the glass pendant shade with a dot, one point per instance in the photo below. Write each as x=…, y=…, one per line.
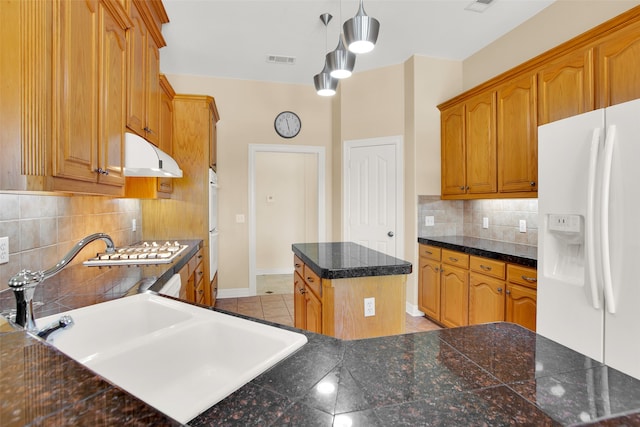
x=340, y=62
x=325, y=84
x=361, y=32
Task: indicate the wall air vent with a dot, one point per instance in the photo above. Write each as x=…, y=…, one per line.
x=479, y=5
x=279, y=59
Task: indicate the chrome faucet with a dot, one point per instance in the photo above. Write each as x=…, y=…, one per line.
x=24, y=283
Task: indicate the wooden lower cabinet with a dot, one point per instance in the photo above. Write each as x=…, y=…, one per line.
x=335, y=307
x=192, y=278
x=454, y=296
x=456, y=289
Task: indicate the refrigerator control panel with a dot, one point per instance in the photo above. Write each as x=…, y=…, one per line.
x=566, y=223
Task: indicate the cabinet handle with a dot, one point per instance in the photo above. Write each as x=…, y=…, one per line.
x=200, y=273
x=499, y=290
x=102, y=171
x=453, y=259
x=485, y=267
x=467, y=188
x=462, y=187
x=529, y=279
x=302, y=291
x=297, y=265
x=533, y=183
x=199, y=256
x=508, y=292
x=201, y=291
x=148, y=130
x=428, y=252
x=310, y=279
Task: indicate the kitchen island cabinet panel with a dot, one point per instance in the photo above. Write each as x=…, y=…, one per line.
x=337, y=277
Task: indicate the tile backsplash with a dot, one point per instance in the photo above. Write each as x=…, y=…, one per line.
x=43, y=228
x=465, y=218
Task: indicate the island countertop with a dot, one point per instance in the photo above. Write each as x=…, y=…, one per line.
x=341, y=260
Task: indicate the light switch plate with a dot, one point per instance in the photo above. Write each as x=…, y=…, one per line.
x=4, y=250
x=485, y=222
x=523, y=226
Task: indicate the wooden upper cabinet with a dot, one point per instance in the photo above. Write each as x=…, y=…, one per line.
x=517, y=135
x=88, y=147
x=453, y=151
x=619, y=67
x=144, y=41
x=165, y=185
x=566, y=86
x=480, y=144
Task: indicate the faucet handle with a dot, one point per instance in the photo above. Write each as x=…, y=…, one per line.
x=26, y=279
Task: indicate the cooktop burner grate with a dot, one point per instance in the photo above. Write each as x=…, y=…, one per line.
x=144, y=253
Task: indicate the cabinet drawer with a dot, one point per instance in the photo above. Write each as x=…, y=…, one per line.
x=313, y=281
x=298, y=265
x=199, y=293
x=524, y=276
x=487, y=267
x=455, y=258
x=431, y=252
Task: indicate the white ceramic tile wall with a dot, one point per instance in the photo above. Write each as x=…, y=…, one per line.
x=464, y=218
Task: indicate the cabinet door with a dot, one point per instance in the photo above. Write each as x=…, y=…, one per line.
x=453, y=155
x=454, y=294
x=521, y=306
x=517, y=136
x=486, y=299
x=75, y=136
x=429, y=288
x=566, y=87
x=313, y=312
x=619, y=67
x=480, y=144
x=165, y=185
x=137, y=67
x=112, y=98
x=299, y=303
x=152, y=106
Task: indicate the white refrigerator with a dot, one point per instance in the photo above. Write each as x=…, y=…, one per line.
x=589, y=234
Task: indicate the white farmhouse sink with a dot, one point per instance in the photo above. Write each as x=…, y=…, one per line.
x=178, y=358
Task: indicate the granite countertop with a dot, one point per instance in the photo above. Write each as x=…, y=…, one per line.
x=340, y=260
x=493, y=374
x=508, y=252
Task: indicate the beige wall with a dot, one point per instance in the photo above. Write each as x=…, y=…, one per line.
x=247, y=111
x=286, y=195
x=556, y=24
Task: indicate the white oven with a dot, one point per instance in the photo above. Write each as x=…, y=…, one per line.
x=213, y=224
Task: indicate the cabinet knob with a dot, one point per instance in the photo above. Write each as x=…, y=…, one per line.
x=302, y=291
x=310, y=279
x=499, y=290
x=467, y=188
x=148, y=130
x=533, y=183
x=462, y=187
x=508, y=292
x=102, y=171
x=297, y=265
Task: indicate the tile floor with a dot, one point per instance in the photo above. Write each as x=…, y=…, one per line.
x=274, y=303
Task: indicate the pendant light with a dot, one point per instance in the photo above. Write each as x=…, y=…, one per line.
x=324, y=83
x=361, y=32
x=341, y=61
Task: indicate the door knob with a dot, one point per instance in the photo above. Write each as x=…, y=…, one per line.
x=390, y=234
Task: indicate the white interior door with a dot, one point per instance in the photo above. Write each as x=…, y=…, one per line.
x=373, y=195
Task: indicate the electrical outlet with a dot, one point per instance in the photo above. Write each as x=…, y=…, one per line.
x=523, y=226
x=485, y=222
x=429, y=221
x=4, y=250
x=239, y=218
x=369, y=307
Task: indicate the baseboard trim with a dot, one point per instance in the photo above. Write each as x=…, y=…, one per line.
x=412, y=310
x=275, y=271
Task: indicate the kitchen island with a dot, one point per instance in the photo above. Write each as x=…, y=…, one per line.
x=348, y=291
x=493, y=374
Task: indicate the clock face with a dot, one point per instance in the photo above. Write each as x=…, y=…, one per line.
x=287, y=124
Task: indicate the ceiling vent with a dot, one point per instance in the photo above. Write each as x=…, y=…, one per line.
x=278, y=59
x=479, y=5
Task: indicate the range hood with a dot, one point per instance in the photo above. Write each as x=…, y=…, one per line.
x=145, y=159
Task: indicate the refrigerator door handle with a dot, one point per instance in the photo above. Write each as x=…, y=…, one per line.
x=591, y=223
x=604, y=218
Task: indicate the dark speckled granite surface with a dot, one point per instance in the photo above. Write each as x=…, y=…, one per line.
x=503, y=251
x=340, y=260
x=497, y=374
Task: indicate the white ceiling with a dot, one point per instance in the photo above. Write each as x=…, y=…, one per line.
x=232, y=38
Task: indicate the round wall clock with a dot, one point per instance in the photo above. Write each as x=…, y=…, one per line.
x=287, y=124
